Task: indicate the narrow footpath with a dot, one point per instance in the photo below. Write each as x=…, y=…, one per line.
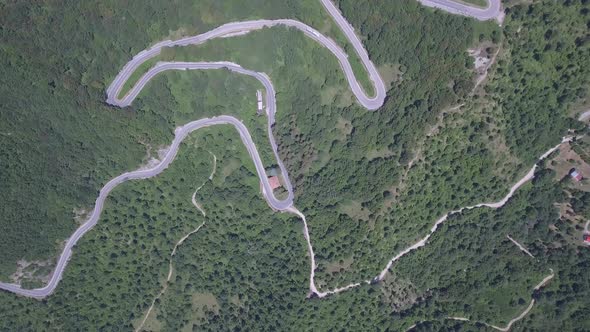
x=179, y=243
x=371, y=103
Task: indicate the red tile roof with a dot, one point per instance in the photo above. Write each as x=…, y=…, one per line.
x=576, y=175
x=274, y=182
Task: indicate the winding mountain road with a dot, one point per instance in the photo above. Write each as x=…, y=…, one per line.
x=233, y=29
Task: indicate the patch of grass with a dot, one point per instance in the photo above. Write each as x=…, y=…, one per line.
x=344, y=127
x=152, y=323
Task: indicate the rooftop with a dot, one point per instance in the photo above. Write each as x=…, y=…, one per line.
x=274, y=182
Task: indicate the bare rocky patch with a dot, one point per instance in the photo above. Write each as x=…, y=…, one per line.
x=81, y=215
x=150, y=161
x=584, y=116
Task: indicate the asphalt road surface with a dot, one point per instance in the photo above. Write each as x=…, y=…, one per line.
x=492, y=11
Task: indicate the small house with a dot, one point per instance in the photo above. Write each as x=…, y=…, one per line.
x=576, y=175
x=587, y=238
x=274, y=182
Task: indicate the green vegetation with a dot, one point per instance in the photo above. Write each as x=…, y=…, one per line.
x=321, y=20
x=435, y=77
x=289, y=58
x=191, y=95
x=531, y=218
x=370, y=183
x=60, y=142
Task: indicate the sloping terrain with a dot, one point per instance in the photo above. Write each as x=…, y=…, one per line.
x=405, y=166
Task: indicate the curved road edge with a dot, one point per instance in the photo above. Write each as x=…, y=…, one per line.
x=492, y=11
x=271, y=106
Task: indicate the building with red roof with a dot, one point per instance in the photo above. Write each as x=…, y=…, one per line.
x=576, y=175
x=274, y=182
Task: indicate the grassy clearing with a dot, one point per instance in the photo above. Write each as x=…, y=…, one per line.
x=344, y=127
x=152, y=323
x=228, y=166
x=196, y=94
x=339, y=266
x=203, y=303
x=383, y=152
x=355, y=210
x=391, y=74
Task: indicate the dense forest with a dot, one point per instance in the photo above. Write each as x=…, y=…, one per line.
x=370, y=183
